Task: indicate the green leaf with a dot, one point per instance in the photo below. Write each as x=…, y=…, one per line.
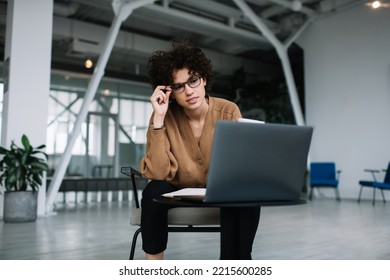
x=20, y=168
x=3, y=151
x=25, y=142
x=38, y=180
x=40, y=165
x=12, y=179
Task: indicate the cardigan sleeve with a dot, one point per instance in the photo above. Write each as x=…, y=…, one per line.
x=158, y=162
x=236, y=113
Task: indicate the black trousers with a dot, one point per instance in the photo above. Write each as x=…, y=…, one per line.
x=238, y=225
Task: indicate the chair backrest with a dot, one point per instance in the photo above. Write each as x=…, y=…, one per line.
x=387, y=176
x=322, y=171
x=138, y=182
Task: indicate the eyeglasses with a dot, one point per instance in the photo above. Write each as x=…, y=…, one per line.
x=192, y=82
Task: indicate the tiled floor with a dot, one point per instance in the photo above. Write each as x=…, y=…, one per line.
x=322, y=229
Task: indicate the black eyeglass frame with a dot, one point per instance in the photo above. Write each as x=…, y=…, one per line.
x=191, y=82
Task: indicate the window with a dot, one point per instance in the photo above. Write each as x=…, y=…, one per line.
x=132, y=114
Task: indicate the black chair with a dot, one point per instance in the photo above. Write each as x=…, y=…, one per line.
x=324, y=174
x=180, y=219
x=385, y=185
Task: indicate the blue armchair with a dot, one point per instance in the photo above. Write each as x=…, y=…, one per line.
x=385, y=185
x=324, y=174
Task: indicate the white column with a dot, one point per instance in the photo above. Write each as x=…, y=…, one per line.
x=27, y=81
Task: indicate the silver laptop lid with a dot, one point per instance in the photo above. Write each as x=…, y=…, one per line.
x=257, y=162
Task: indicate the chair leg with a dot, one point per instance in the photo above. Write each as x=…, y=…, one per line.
x=311, y=193
x=337, y=194
x=373, y=199
x=383, y=196
x=360, y=194
x=134, y=243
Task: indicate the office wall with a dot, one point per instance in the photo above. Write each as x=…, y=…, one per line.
x=347, y=80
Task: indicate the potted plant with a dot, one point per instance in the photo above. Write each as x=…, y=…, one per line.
x=21, y=172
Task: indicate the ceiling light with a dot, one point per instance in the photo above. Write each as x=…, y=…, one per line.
x=88, y=63
x=106, y=92
x=296, y=5
x=375, y=4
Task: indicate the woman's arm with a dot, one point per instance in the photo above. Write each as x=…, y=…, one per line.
x=158, y=162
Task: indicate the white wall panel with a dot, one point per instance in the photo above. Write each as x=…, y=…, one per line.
x=347, y=77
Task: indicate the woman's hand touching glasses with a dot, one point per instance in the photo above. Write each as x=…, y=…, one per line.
x=160, y=102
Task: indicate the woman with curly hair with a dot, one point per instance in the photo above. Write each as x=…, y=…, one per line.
x=178, y=147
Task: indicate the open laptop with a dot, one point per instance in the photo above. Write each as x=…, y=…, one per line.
x=252, y=162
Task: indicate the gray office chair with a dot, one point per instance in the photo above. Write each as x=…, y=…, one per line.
x=180, y=219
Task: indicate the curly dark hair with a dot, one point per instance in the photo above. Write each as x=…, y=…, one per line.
x=184, y=54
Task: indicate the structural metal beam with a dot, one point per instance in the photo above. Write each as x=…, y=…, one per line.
x=281, y=50
x=294, y=5
x=122, y=9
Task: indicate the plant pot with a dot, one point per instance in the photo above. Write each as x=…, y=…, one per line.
x=20, y=207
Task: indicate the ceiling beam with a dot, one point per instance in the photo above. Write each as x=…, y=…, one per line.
x=203, y=26
x=165, y=15
x=223, y=11
x=294, y=5
x=137, y=47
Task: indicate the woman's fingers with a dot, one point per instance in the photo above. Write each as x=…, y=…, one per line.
x=161, y=94
x=160, y=99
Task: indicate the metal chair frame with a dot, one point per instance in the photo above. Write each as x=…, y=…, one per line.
x=133, y=174
x=373, y=184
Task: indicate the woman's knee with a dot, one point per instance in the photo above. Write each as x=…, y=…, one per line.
x=156, y=188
